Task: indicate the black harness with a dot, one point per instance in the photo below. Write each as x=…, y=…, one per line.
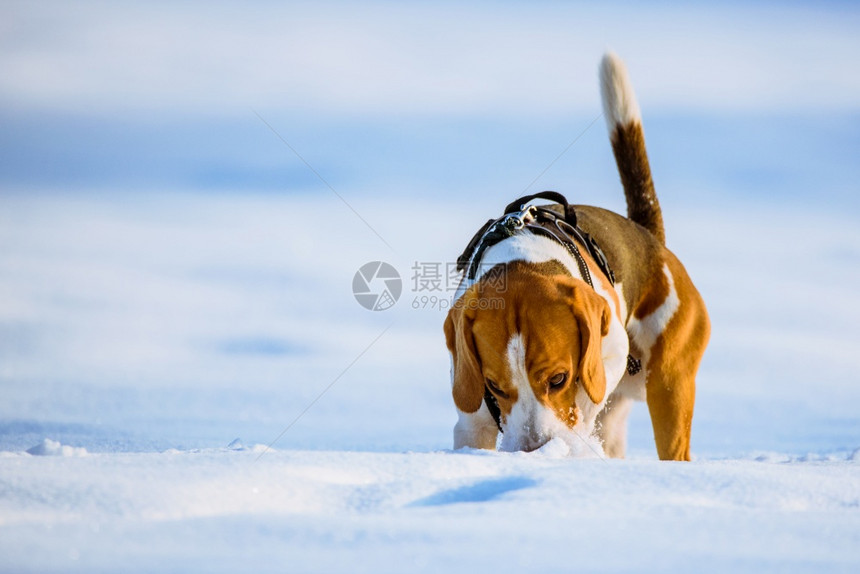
x=558, y=224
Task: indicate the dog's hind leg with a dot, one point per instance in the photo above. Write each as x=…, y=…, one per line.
x=672, y=366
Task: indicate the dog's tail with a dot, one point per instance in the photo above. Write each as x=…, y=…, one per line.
x=628, y=143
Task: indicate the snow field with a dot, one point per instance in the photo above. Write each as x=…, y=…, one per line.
x=309, y=511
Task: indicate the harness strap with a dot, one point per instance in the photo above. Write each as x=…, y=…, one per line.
x=554, y=196
x=563, y=229
x=569, y=245
x=496, y=231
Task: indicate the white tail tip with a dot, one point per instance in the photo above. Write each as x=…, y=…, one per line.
x=619, y=101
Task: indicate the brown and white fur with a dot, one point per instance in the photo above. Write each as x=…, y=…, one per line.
x=553, y=351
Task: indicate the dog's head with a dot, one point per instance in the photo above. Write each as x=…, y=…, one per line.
x=535, y=344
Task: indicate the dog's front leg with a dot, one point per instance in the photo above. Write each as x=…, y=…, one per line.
x=476, y=430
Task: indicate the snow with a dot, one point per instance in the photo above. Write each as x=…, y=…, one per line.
x=224, y=510
x=187, y=383
x=50, y=447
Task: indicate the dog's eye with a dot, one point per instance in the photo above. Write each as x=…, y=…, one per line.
x=494, y=388
x=557, y=381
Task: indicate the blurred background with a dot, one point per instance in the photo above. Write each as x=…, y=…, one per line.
x=187, y=190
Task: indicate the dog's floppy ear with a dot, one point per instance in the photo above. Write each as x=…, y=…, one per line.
x=468, y=383
x=592, y=316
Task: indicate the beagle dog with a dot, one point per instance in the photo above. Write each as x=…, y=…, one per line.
x=567, y=314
